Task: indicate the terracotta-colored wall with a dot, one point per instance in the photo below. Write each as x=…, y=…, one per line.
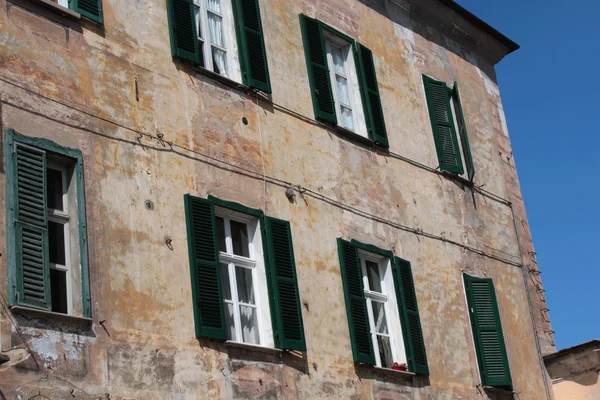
x=74, y=83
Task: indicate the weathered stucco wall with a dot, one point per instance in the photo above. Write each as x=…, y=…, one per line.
x=575, y=372
x=74, y=83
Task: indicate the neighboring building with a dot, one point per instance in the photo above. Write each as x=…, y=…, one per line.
x=575, y=372
x=204, y=199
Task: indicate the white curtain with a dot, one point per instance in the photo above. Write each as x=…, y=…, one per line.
x=215, y=26
x=249, y=325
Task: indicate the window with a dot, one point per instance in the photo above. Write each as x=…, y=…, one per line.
x=243, y=274
x=487, y=332
x=221, y=36
x=90, y=9
x=445, y=112
x=381, y=304
x=343, y=81
x=64, y=3
x=47, y=244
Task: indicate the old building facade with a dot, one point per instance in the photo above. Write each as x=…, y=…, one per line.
x=261, y=199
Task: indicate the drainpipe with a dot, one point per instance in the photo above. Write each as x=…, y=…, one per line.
x=531, y=312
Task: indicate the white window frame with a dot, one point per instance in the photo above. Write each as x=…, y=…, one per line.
x=62, y=217
x=388, y=297
x=255, y=262
x=356, y=106
x=461, y=149
x=201, y=10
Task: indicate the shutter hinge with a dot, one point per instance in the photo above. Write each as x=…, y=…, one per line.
x=317, y=92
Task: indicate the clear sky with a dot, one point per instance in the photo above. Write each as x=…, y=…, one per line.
x=551, y=95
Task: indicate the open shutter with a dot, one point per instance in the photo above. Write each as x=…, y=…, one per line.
x=318, y=71
x=409, y=314
x=182, y=27
x=487, y=332
x=462, y=129
x=204, y=267
x=356, y=305
x=442, y=123
x=251, y=44
x=91, y=9
x=31, y=227
x=369, y=89
x=284, y=286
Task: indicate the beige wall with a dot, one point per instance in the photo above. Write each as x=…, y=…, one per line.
x=74, y=83
x=584, y=387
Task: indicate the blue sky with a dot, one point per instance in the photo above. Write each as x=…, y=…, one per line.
x=551, y=96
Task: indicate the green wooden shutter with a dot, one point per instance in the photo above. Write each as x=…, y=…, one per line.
x=462, y=129
x=487, y=332
x=442, y=122
x=409, y=315
x=91, y=9
x=204, y=267
x=251, y=45
x=369, y=89
x=356, y=305
x=284, y=286
x=318, y=71
x=182, y=27
x=31, y=227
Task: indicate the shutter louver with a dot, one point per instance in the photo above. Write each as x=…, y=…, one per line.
x=318, y=71
x=464, y=137
x=204, y=266
x=183, y=33
x=91, y=9
x=371, y=99
x=32, y=228
x=409, y=314
x=356, y=305
x=284, y=286
x=487, y=332
x=252, y=51
x=442, y=123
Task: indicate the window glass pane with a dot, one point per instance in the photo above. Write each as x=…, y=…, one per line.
x=64, y=3
x=225, y=283
x=219, y=61
x=385, y=351
x=198, y=18
x=379, y=317
x=244, y=282
x=215, y=26
x=374, y=276
x=347, y=121
x=249, y=325
x=342, y=89
x=214, y=5
x=221, y=234
x=54, y=189
x=338, y=60
x=58, y=291
x=229, y=324
x=239, y=238
x=56, y=243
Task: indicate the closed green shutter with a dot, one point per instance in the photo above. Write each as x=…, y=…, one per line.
x=204, y=267
x=182, y=27
x=487, y=332
x=369, y=89
x=442, y=123
x=462, y=129
x=318, y=71
x=284, y=286
x=409, y=315
x=356, y=305
x=31, y=227
x=91, y=9
x=251, y=44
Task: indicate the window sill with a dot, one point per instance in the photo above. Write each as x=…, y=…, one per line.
x=51, y=316
x=58, y=9
x=393, y=372
x=224, y=80
x=458, y=178
x=353, y=136
x=253, y=347
x=493, y=389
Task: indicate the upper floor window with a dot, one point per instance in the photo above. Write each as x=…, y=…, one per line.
x=446, y=114
x=47, y=238
x=90, y=9
x=343, y=81
x=221, y=36
x=243, y=275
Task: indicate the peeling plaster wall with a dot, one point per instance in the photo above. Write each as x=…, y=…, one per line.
x=73, y=82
